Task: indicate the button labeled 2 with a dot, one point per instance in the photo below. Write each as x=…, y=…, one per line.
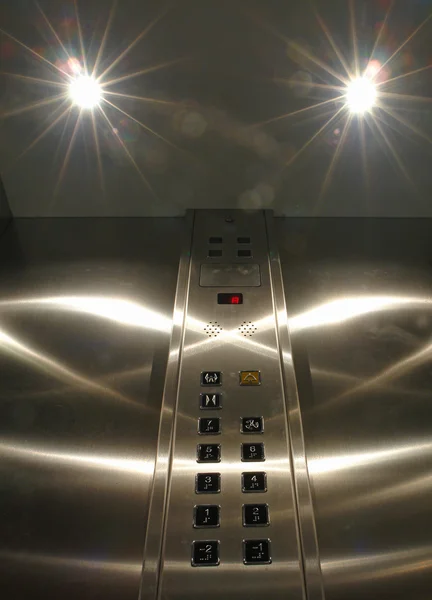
x=255, y=515
x=205, y=553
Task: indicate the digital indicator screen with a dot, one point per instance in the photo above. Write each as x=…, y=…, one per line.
x=230, y=298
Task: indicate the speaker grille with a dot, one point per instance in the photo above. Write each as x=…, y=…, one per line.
x=247, y=329
x=213, y=329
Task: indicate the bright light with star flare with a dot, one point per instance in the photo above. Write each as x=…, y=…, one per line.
x=85, y=92
x=361, y=95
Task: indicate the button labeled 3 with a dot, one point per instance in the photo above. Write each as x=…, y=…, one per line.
x=250, y=378
x=208, y=483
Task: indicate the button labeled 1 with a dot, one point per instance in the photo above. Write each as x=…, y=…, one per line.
x=205, y=553
x=206, y=515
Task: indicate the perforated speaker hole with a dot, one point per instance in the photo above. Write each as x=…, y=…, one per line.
x=247, y=328
x=213, y=329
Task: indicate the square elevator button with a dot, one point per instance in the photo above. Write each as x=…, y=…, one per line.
x=252, y=425
x=211, y=378
x=205, y=553
x=208, y=483
x=206, y=515
x=250, y=378
x=252, y=452
x=256, y=552
x=208, y=453
x=209, y=401
x=209, y=426
x=254, y=482
x=255, y=515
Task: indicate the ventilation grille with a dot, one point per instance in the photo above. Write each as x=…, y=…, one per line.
x=247, y=328
x=213, y=329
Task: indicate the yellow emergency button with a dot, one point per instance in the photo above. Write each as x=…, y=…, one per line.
x=250, y=378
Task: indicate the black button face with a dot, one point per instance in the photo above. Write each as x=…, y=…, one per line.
x=252, y=425
x=209, y=401
x=254, y=482
x=210, y=426
x=205, y=553
x=256, y=552
x=211, y=378
x=244, y=253
x=214, y=253
x=252, y=452
x=208, y=453
x=208, y=483
x=206, y=515
x=255, y=515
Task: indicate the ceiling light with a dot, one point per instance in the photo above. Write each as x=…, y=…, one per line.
x=361, y=95
x=85, y=92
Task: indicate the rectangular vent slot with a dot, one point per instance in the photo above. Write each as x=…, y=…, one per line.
x=243, y=240
x=214, y=253
x=215, y=240
x=244, y=253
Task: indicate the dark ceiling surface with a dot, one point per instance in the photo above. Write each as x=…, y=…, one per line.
x=216, y=103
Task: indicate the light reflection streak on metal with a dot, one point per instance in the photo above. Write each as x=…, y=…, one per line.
x=344, y=309
x=118, y=310
x=104, y=463
x=55, y=369
x=327, y=465
x=60, y=562
x=383, y=565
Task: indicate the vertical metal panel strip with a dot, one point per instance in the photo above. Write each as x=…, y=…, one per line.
x=305, y=512
x=157, y=510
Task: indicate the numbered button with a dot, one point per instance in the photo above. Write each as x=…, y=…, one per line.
x=256, y=552
x=208, y=453
x=206, y=515
x=208, y=483
x=252, y=452
x=210, y=426
x=255, y=515
x=205, y=553
x=252, y=425
x=254, y=482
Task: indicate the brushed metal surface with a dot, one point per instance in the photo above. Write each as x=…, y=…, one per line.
x=231, y=352
x=85, y=320
x=231, y=275
x=359, y=306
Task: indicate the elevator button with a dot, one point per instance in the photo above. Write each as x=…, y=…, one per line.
x=205, y=553
x=252, y=425
x=209, y=401
x=208, y=453
x=211, y=378
x=254, y=482
x=252, y=452
x=208, y=483
x=255, y=515
x=250, y=378
x=206, y=515
x=209, y=426
x=256, y=552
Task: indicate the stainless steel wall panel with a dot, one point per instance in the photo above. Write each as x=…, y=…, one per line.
x=85, y=321
x=359, y=309
x=225, y=349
